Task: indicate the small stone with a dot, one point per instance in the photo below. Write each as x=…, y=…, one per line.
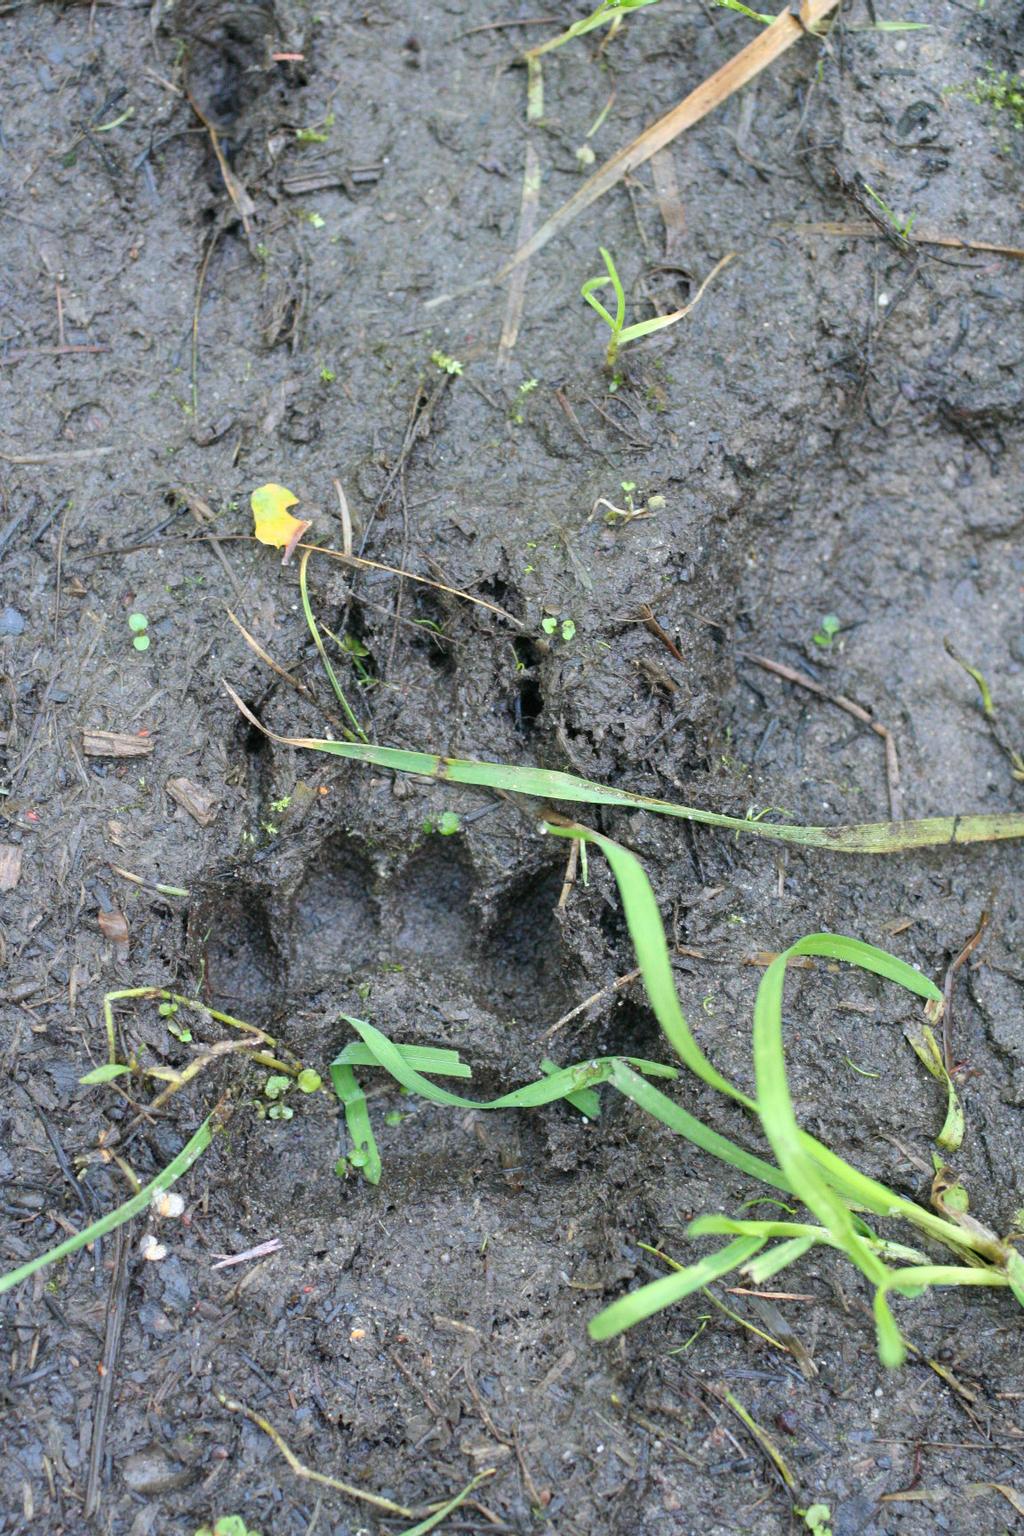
x=152, y=1471
x=11, y=622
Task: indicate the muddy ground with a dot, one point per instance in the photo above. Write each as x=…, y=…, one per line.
x=837, y=428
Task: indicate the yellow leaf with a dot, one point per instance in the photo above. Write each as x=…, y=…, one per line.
x=274, y=523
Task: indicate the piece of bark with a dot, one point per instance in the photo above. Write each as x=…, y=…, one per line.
x=201, y=804
x=10, y=866
x=114, y=927
x=115, y=744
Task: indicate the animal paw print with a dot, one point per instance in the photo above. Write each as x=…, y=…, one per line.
x=422, y=927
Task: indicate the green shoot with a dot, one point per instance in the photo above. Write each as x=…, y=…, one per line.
x=139, y=626
x=901, y=226
x=621, y=333
x=828, y=631
x=445, y=363
x=744, y=10
x=608, y=11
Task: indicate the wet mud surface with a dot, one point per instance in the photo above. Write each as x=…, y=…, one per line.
x=837, y=428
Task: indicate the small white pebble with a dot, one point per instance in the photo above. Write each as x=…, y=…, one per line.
x=165, y=1203
x=151, y=1249
x=884, y=301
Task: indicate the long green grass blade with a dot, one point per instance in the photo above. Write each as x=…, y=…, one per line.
x=778, y=1118
x=659, y=1294
x=656, y=1103
x=189, y=1154
x=358, y=734
x=549, y=784
x=647, y=932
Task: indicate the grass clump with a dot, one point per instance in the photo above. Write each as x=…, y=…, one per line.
x=838, y=1197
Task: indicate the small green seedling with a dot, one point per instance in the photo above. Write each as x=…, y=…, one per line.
x=1002, y=92
x=828, y=631
x=446, y=824
x=621, y=333
x=227, y=1525
x=566, y=627
x=445, y=363
x=901, y=226
x=527, y=387
x=744, y=10
x=816, y=1518
x=139, y=626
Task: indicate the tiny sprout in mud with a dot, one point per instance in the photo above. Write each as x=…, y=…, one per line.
x=621, y=333
x=446, y=824
x=445, y=363
x=565, y=627
x=139, y=626
x=827, y=632
x=227, y=1525
x=516, y=413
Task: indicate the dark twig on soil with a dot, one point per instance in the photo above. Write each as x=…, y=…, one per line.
x=204, y=267
x=60, y=564
x=651, y=624
x=57, y=456
x=65, y=350
x=892, y=764
x=588, y=1002
x=947, y=990
x=205, y=519
x=117, y=1299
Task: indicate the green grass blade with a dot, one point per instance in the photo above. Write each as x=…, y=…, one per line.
x=917, y=1277
x=550, y=784
x=765, y=1266
x=586, y=1100
x=656, y=1103
x=357, y=1121
x=339, y=693
x=659, y=1294
x=449, y=1508
x=648, y=935
x=642, y=328
x=434, y=1059
x=783, y=1132
x=189, y=1154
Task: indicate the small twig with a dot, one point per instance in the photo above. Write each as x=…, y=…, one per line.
x=651, y=624
x=58, y=456
x=60, y=564
x=65, y=350
x=919, y=237
x=301, y=1470
x=947, y=990
x=117, y=1298
x=204, y=519
x=200, y=285
x=571, y=867
x=612, y=987
x=892, y=765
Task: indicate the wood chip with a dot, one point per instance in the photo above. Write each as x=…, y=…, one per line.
x=10, y=866
x=200, y=804
x=114, y=927
x=115, y=744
